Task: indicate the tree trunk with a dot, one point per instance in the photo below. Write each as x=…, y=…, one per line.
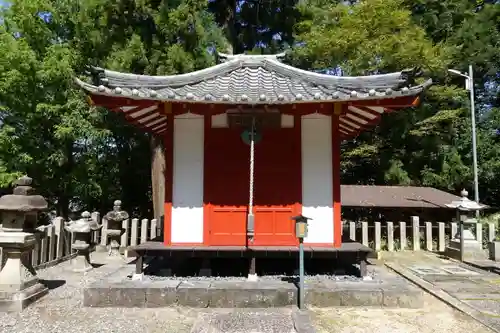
x=231, y=28
x=158, y=176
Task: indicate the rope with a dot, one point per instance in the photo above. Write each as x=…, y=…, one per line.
x=252, y=161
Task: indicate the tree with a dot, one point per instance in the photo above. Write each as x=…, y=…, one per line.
x=256, y=26
x=375, y=36
x=77, y=154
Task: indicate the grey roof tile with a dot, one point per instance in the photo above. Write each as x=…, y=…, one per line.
x=262, y=79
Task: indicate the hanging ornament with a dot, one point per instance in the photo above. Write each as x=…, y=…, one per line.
x=246, y=136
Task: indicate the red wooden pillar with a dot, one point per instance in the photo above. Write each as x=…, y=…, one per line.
x=337, y=219
x=169, y=176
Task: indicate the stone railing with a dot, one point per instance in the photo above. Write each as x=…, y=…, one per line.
x=54, y=246
x=413, y=235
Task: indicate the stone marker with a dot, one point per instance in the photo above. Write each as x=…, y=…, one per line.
x=115, y=219
x=82, y=230
x=19, y=284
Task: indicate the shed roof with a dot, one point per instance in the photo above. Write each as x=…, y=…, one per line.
x=372, y=196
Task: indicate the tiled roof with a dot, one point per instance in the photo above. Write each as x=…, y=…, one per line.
x=250, y=79
x=253, y=80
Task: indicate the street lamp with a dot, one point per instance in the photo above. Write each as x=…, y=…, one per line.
x=469, y=85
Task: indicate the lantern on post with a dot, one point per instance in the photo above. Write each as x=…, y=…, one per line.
x=19, y=284
x=81, y=230
x=301, y=228
x=301, y=233
x=115, y=228
x=465, y=241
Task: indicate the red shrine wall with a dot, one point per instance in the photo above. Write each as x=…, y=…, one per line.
x=207, y=182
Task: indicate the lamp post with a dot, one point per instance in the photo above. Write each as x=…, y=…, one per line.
x=469, y=85
x=301, y=231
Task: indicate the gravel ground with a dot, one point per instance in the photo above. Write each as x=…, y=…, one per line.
x=62, y=311
x=435, y=317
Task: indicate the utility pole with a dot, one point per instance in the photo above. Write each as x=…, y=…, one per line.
x=469, y=85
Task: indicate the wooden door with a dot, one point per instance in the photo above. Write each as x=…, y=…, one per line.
x=226, y=187
x=277, y=187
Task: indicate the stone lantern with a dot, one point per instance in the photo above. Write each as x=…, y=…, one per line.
x=81, y=230
x=115, y=219
x=19, y=284
x=465, y=243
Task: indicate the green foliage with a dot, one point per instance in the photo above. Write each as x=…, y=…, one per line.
x=368, y=37
x=429, y=145
x=88, y=157
x=76, y=154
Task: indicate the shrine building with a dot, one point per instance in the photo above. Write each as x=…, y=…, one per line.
x=251, y=142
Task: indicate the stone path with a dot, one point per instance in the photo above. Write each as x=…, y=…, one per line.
x=252, y=321
x=488, y=265
x=471, y=290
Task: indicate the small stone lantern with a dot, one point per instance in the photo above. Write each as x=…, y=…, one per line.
x=81, y=230
x=465, y=243
x=115, y=219
x=19, y=284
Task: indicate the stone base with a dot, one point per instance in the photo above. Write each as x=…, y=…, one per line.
x=101, y=248
x=473, y=250
x=114, y=255
x=494, y=251
x=253, y=277
x=18, y=301
x=80, y=264
x=114, y=291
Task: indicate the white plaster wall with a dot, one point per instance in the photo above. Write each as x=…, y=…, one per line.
x=317, y=178
x=187, y=205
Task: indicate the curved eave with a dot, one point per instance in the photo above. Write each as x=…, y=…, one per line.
x=268, y=62
x=151, y=116
x=168, y=95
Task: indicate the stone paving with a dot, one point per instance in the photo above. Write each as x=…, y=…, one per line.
x=469, y=289
x=240, y=321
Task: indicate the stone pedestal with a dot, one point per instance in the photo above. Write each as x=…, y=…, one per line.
x=473, y=249
x=19, y=284
x=115, y=220
x=81, y=263
x=494, y=250
x=114, y=243
x=81, y=231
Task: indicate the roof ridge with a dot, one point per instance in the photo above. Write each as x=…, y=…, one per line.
x=223, y=57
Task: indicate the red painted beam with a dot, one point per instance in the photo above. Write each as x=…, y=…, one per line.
x=396, y=102
x=337, y=213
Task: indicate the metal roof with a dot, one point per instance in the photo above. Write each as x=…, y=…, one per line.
x=373, y=196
